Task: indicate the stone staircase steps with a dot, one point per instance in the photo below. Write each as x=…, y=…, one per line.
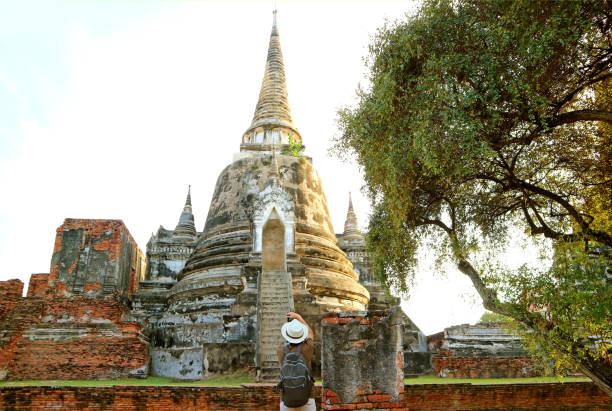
x=275, y=300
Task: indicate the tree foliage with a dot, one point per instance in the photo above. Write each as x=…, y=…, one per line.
x=484, y=116
x=491, y=317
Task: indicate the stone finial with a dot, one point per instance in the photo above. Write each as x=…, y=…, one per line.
x=272, y=122
x=188, y=200
x=352, y=233
x=186, y=225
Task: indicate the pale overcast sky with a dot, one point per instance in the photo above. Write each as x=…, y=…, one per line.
x=110, y=109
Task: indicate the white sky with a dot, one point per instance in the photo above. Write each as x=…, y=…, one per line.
x=111, y=109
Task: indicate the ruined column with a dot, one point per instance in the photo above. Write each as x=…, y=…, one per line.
x=362, y=360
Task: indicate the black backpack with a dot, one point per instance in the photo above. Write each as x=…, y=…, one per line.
x=295, y=379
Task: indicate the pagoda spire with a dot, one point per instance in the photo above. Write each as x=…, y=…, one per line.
x=186, y=225
x=188, y=199
x=272, y=123
x=352, y=233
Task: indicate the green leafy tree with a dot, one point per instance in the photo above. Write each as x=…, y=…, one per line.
x=484, y=117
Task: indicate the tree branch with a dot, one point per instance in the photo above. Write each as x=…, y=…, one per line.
x=599, y=236
x=489, y=297
x=437, y=223
x=574, y=92
x=580, y=115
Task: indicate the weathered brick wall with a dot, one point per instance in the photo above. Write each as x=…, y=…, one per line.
x=262, y=397
x=16, y=314
x=89, y=357
x=81, y=309
x=447, y=366
x=13, y=318
x=568, y=396
x=11, y=289
x=10, y=296
x=95, y=257
x=80, y=338
x=362, y=360
x=67, y=337
x=39, y=283
x=483, y=350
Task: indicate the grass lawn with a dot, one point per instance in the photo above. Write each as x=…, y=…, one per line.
x=228, y=380
x=438, y=380
x=244, y=377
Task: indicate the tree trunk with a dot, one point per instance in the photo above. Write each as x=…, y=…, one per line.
x=598, y=370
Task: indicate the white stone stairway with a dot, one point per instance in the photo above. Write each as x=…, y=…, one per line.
x=275, y=300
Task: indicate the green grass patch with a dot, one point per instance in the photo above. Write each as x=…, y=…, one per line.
x=238, y=378
x=234, y=379
x=532, y=380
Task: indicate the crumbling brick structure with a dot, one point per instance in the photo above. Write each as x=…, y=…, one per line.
x=39, y=283
x=95, y=257
x=362, y=360
x=74, y=322
x=484, y=350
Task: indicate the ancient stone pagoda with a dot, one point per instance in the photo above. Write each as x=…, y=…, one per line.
x=268, y=246
x=167, y=253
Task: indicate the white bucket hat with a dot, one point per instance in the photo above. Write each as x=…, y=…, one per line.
x=294, y=331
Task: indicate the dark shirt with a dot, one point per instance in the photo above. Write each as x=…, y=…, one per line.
x=307, y=350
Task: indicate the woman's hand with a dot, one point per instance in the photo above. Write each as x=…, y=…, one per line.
x=291, y=315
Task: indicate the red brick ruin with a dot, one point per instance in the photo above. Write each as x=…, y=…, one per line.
x=71, y=324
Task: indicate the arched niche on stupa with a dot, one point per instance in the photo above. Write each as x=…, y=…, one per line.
x=274, y=203
x=273, y=244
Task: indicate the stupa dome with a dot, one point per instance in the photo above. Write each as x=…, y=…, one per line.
x=226, y=245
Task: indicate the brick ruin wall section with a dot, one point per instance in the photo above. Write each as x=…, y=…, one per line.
x=74, y=337
x=447, y=366
x=362, y=360
x=10, y=296
x=519, y=397
x=15, y=315
x=481, y=351
x=95, y=257
x=39, y=283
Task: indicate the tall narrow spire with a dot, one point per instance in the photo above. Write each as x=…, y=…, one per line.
x=186, y=225
x=352, y=233
x=188, y=200
x=272, y=122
